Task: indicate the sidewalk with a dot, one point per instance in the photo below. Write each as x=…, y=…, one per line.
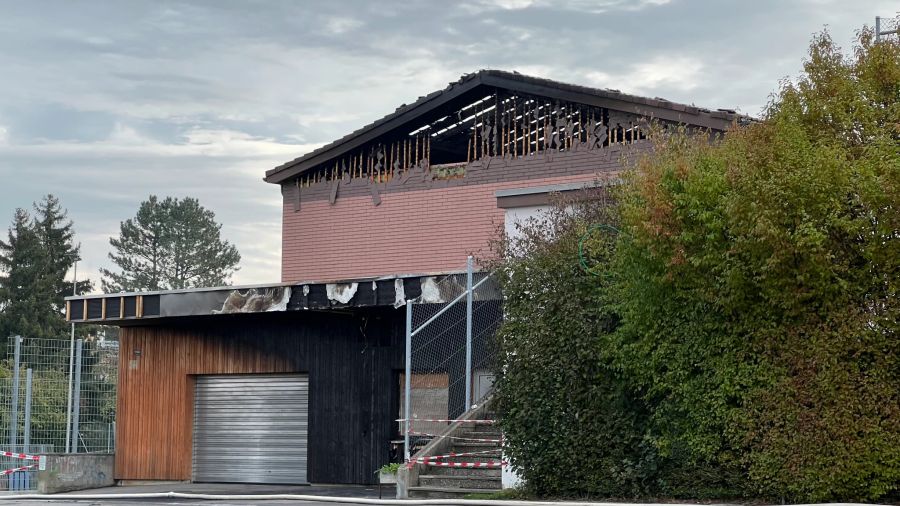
x=357, y=491
x=346, y=494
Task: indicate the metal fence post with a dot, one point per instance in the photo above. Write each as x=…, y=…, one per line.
x=71, y=360
x=76, y=396
x=407, y=379
x=26, y=443
x=14, y=401
x=469, y=268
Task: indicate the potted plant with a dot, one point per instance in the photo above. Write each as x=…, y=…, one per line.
x=388, y=473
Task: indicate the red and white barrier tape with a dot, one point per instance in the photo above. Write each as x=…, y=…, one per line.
x=442, y=420
x=484, y=465
x=23, y=468
x=422, y=460
x=23, y=456
x=437, y=436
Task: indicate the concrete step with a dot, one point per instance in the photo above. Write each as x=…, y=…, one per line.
x=467, y=442
x=478, y=435
x=473, y=458
x=481, y=457
x=446, y=492
x=450, y=481
x=460, y=471
x=472, y=446
x=481, y=428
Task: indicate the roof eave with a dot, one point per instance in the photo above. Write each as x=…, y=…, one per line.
x=279, y=298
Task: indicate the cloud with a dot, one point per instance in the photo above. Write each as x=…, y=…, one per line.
x=199, y=142
x=339, y=25
x=678, y=72
x=508, y=4
x=589, y=6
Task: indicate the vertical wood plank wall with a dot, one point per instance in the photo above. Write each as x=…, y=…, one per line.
x=351, y=361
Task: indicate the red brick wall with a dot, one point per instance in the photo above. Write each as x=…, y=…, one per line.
x=421, y=226
x=414, y=232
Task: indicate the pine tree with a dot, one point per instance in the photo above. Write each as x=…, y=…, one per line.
x=56, y=234
x=170, y=244
x=139, y=251
x=34, y=261
x=199, y=256
x=26, y=296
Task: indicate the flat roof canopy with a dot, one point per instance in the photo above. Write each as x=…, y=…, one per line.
x=150, y=308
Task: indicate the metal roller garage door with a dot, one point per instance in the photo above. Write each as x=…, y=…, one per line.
x=251, y=428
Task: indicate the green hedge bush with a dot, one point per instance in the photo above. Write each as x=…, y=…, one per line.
x=739, y=336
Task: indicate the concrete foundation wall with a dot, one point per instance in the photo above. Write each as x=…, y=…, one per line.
x=68, y=472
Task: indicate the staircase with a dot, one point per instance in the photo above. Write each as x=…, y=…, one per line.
x=440, y=482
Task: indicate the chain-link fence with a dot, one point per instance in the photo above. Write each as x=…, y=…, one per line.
x=451, y=351
x=35, y=401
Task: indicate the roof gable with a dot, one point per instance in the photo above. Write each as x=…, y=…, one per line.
x=463, y=107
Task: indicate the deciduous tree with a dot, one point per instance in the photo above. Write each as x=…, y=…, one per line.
x=755, y=290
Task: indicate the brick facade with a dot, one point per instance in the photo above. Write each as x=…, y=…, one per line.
x=421, y=226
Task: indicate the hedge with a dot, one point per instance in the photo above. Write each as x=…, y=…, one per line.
x=738, y=336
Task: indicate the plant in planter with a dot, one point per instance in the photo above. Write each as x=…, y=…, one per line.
x=388, y=473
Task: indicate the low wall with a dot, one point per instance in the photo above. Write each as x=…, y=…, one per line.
x=66, y=472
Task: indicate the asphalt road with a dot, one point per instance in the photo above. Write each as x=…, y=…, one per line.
x=204, y=488
x=10, y=500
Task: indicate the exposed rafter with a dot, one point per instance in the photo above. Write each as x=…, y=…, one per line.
x=489, y=113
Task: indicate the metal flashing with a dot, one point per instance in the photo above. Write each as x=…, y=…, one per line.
x=173, y=305
x=514, y=192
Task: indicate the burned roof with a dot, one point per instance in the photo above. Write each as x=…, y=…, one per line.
x=657, y=108
x=158, y=307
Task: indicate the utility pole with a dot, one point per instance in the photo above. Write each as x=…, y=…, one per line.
x=469, y=268
x=879, y=32
x=71, y=361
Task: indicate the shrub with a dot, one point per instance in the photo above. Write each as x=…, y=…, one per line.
x=739, y=337
x=566, y=419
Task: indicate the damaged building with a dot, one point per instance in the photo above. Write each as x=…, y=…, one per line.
x=300, y=381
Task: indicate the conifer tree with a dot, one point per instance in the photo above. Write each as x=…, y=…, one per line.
x=56, y=234
x=170, y=244
x=34, y=262
x=26, y=301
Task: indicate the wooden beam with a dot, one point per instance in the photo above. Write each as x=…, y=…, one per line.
x=289, y=169
x=84, y=309
x=121, y=307
x=560, y=91
x=690, y=115
x=68, y=310
x=139, y=306
x=103, y=308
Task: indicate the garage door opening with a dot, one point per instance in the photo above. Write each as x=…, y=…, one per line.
x=251, y=429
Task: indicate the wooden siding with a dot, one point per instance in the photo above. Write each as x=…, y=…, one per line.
x=352, y=362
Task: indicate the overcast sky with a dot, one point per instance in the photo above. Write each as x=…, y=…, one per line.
x=104, y=103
